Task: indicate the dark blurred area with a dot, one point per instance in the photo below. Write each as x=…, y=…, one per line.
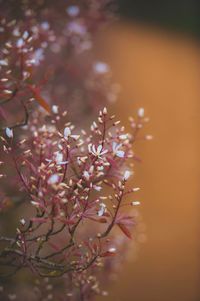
x=178, y=15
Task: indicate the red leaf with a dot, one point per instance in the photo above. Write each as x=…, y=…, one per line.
x=66, y=221
x=101, y=220
x=125, y=230
x=54, y=246
x=3, y=114
x=32, y=167
x=107, y=254
x=124, y=219
x=42, y=102
x=95, y=247
x=138, y=159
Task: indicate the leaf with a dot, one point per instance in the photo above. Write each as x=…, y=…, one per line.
x=32, y=167
x=125, y=230
x=42, y=102
x=108, y=254
x=66, y=221
x=3, y=114
x=95, y=247
x=125, y=219
x=54, y=246
x=138, y=159
x=101, y=220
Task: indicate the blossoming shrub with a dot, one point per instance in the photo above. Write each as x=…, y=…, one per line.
x=46, y=57
x=74, y=186
x=65, y=200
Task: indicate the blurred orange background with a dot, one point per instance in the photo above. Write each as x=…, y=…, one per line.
x=160, y=72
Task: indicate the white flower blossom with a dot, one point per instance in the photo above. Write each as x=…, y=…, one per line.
x=112, y=250
x=19, y=43
x=55, y=109
x=140, y=112
x=75, y=137
x=25, y=35
x=68, y=133
x=97, y=188
x=59, y=159
x=116, y=150
x=100, y=168
x=9, y=133
x=101, y=67
x=148, y=137
x=135, y=203
x=123, y=136
x=126, y=175
x=36, y=204
x=7, y=91
x=53, y=179
x=3, y=63
x=22, y=221
x=102, y=209
x=105, y=111
x=38, y=56
x=45, y=25
x=136, y=189
x=86, y=175
x=16, y=32
x=73, y=10
x=76, y=28
x=97, y=151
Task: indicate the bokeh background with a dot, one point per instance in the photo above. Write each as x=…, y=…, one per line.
x=154, y=54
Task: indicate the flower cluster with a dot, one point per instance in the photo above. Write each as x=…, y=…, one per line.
x=65, y=197
x=46, y=57
x=74, y=187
